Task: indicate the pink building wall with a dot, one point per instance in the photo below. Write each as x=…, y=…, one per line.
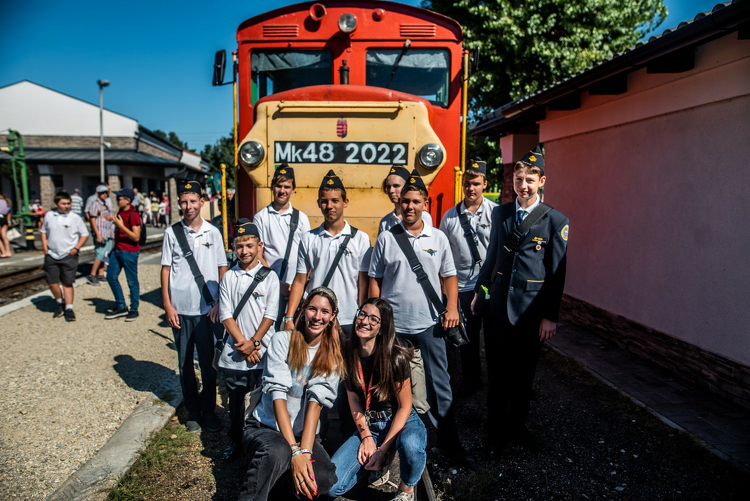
x=655, y=183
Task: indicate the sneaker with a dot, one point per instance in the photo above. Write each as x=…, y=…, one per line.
x=93, y=280
x=213, y=423
x=403, y=496
x=192, y=426
x=117, y=313
x=132, y=315
x=59, y=310
x=70, y=316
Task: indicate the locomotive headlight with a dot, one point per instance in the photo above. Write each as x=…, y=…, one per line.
x=348, y=22
x=430, y=156
x=251, y=153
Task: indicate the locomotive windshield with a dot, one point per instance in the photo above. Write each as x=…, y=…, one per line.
x=277, y=71
x=422, y=72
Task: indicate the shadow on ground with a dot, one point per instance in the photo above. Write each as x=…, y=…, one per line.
x=141, y=375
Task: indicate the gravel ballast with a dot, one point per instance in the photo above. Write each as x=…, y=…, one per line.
x=67, y=387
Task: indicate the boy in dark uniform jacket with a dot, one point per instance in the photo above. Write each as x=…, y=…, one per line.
x=524, y=302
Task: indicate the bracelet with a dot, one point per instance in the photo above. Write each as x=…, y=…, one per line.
x=365, y=438
x=305, y=451
x=295, y=453
x=288, y=319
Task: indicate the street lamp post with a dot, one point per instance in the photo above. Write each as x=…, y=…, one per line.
x=102, y=174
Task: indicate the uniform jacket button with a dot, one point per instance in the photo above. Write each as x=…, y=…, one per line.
x=510, y=288
x=516, y=253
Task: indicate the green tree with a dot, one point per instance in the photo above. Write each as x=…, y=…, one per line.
x=528, y=45
x=221, y=152
x=172, y=138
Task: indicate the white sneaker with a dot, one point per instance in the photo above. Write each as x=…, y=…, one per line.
x=403, y=496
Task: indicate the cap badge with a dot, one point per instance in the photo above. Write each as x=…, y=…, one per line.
x=475, y=165
x=330, y=181
x=188, y=186
x=282, y=171
x=393, y=170
x=532, y=158
x=241, y=230
x=411, y=180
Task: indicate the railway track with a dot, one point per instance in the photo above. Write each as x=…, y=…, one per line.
x=19, y=283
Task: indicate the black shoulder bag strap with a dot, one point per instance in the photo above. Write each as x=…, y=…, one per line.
x=416, y=266
x=468, y=235
x=179, y=234
x=259, y=277
x=292, y=228
x=335, y=263
x=512, y=241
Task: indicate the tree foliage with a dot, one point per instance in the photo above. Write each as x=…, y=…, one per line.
x=528, y=45
x=172, y=138
x=221, y=152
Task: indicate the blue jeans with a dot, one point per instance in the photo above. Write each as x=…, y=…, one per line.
x=410, y=443
x=129, y=262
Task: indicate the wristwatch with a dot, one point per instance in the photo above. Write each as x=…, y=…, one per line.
x=256, y=343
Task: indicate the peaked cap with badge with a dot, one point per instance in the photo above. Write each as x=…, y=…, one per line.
x=535, y=158
x=189, y=187
x=283, y=169
x=415, y=180
x=332, y=181
x=244, y=226
x=478, y=165
x=400, y=171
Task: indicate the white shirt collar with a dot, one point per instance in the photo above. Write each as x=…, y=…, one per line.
x=481, y=208
x=426, y=231
x=274, y=211
x=251, y=271
x=532, y=206
x=202, y=229
x=346, y=231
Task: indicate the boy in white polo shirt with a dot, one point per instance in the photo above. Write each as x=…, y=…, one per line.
x=274, y=222
x=477, y=212
x=392, y=278
x=191, y=309
x=250, y=332
x=317, y=253
x=63, y=235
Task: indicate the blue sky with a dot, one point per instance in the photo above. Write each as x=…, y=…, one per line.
x=158, y=55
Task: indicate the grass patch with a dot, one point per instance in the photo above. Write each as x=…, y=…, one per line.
x=161, y=456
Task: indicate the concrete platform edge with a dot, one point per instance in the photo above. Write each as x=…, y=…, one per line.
x=102, y=472
x=653, y=411
x=33, y=299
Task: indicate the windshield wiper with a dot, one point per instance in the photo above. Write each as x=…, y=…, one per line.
x=407, y=44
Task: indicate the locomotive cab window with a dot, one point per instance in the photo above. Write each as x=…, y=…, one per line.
x=277, y=71
x=422, y=72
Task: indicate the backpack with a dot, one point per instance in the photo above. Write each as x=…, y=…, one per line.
x=142, y=239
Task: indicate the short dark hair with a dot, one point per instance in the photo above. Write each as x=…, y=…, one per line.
x=343, y=192
x=281, y=178
x=414, y=187
x=62, y=195
x=473, y=174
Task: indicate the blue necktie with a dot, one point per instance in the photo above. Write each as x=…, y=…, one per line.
x=520, y=216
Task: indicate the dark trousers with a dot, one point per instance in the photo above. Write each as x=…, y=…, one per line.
x=512, y=353
x=128, y=261
x=471, y=362
x=196, y=332
x=438, y=383
x=239, y=384
x=269, y=459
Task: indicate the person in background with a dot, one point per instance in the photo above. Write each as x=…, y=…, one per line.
x=139, y=202
x=103, y=229
x=230, y=201
x=37, y=212
x=5, y=222
x=154, y=212
x=63, y=234
x=378, y=385
x=163, y=205
x=302, y=372
x=125, y=256
x=76, y=206
x=477, y=212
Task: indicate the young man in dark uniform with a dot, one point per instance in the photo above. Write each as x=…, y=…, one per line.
x=523, y=307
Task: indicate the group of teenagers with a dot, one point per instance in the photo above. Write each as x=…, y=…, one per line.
x=311, y=318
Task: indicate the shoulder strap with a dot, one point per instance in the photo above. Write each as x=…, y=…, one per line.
x=179, y=234
x=512, y=241
x=336, y=259
x=292, y=228
x=259, y=277
x=468, y=234
x=416, y=266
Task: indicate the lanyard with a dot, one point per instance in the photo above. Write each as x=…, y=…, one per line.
x=366, y=389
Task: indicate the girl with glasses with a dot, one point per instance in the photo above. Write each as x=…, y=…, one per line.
x=302, y=372
x=378, y=384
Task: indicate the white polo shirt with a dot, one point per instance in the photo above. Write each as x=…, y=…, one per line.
x=317, y=250
x=208, y=249
x=273, y=227
x=412, y=309
x=263, y=303
x=63, y=232
x=481, y=224
x=392, y=220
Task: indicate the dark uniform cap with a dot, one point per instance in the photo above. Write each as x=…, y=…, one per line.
x=283, y=169
x=477, y=164
x=190, y=186
x=415, y=180
x=244, y=226
x=332, y=181
x=535, y=157
x=400, y=171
